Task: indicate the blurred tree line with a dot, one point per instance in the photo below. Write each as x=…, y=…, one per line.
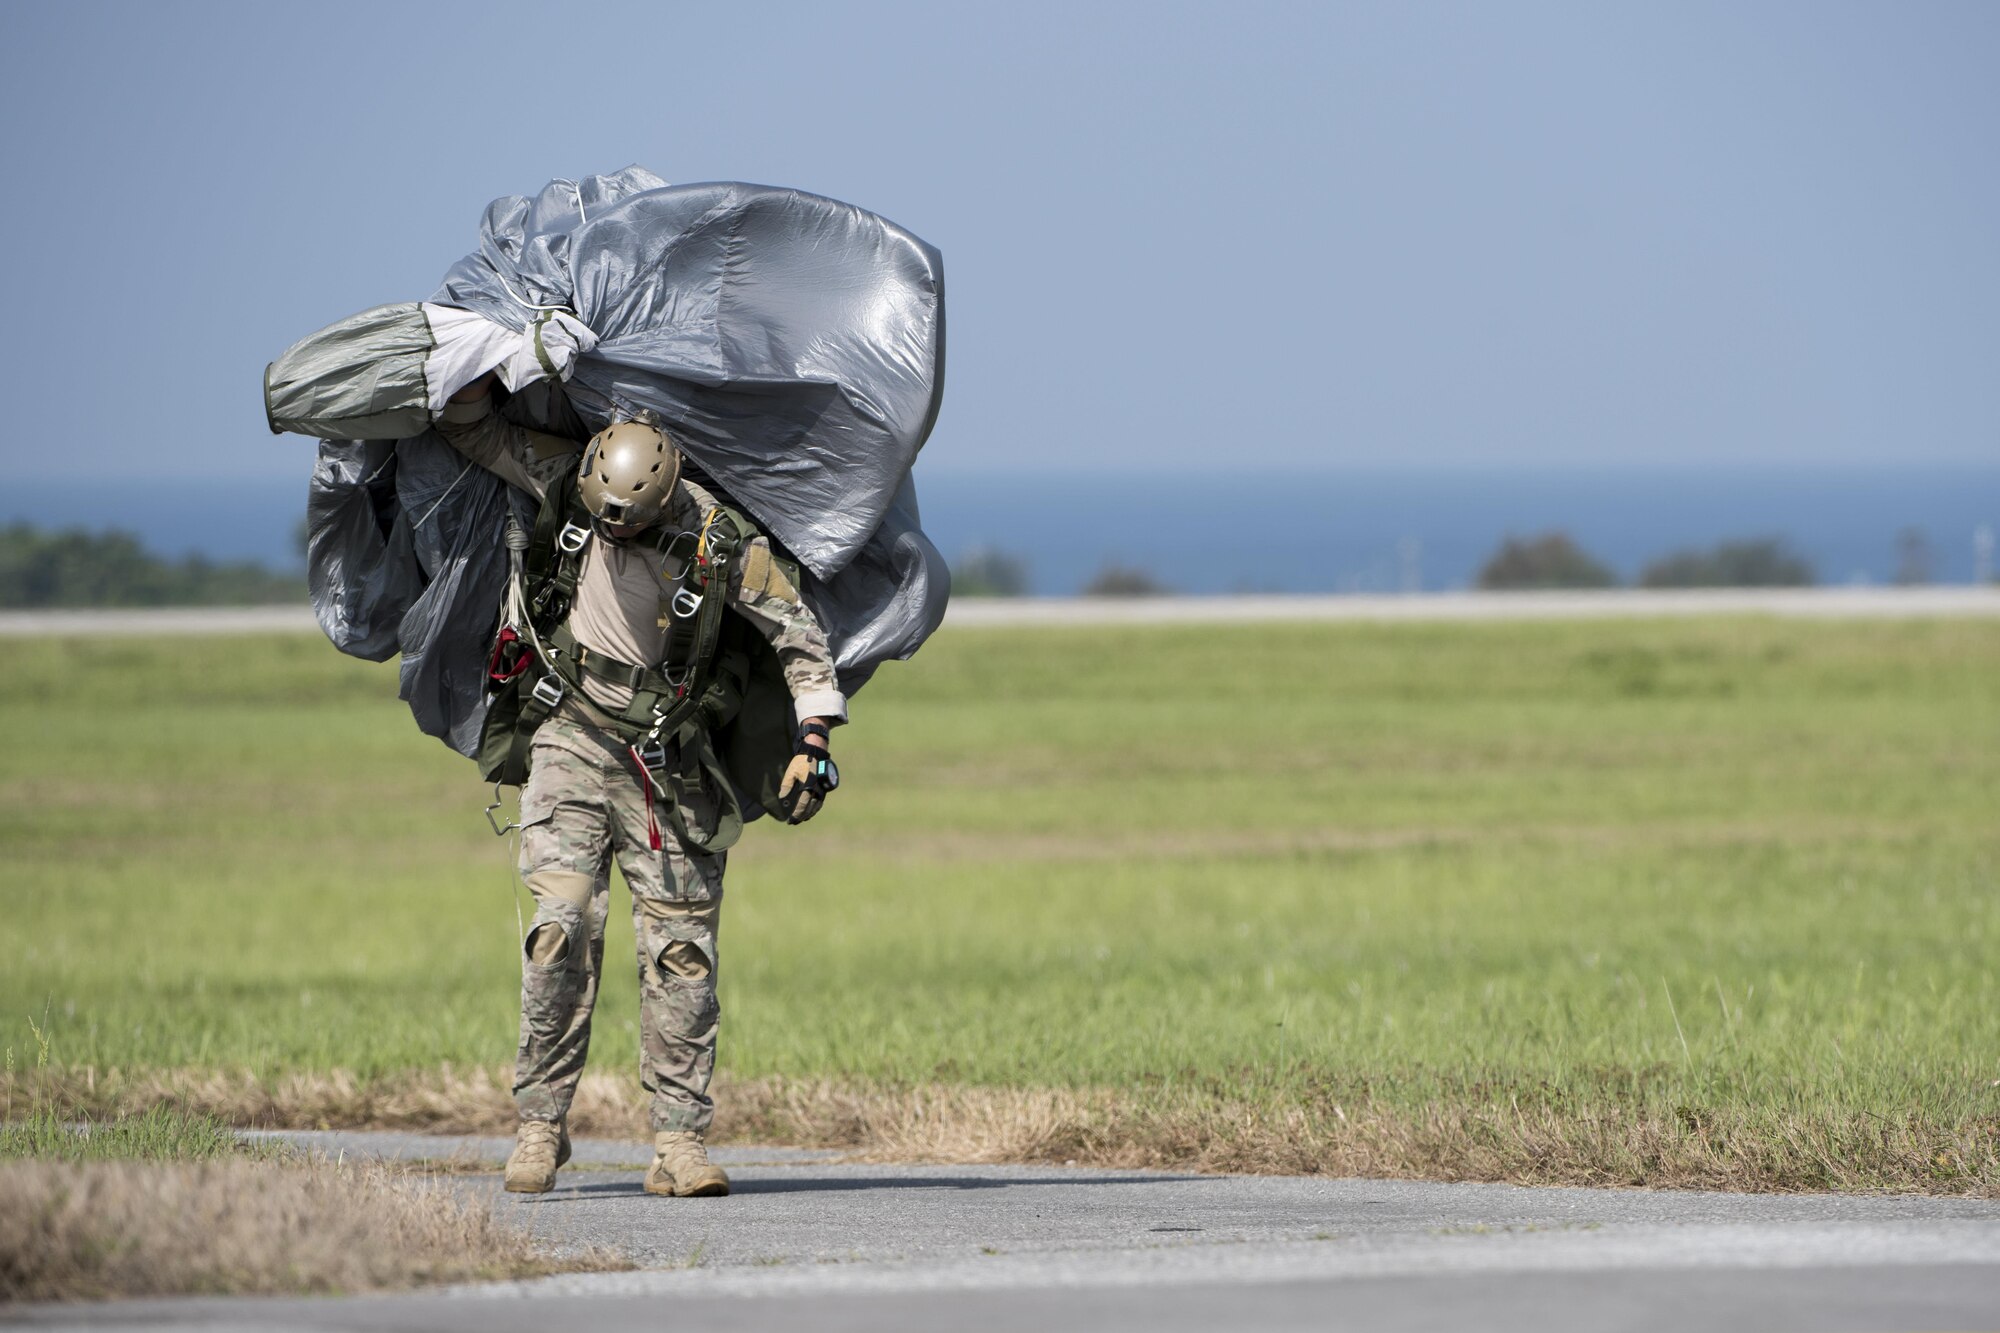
x=987, y=572
x=1554, y=560
x=76, y=568
x=1549, y=560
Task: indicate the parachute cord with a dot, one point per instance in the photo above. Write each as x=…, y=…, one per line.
x=515, y=889
x=577, y=190
x=441, y=499
x=519, y=300
x=514, y=611
x=514, y=607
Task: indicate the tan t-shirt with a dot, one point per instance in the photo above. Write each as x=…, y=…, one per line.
x=623, y=591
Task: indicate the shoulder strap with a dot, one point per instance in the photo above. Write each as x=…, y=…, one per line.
x=551, y=567
x=663, y=701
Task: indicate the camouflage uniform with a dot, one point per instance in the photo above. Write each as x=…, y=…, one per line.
x=583, y=805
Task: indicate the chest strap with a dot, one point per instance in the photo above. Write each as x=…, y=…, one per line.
x=605, y=667
x=574, y=663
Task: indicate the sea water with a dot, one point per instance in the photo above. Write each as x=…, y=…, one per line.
x=1378, y=530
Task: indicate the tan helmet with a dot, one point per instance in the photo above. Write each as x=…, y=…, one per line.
x=628, y=473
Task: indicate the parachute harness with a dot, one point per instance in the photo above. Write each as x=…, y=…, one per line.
x=537, y=665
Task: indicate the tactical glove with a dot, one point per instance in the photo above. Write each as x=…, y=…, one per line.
x=808, y=778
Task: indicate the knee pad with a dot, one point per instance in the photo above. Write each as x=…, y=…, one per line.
x=557, y=925
x=562, y=886
x=685, y=959
x=548, y=945
x=681, y=937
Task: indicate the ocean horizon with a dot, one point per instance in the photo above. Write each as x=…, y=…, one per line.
x=1383, y=529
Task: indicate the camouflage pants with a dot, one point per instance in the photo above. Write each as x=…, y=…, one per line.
x=583, y=804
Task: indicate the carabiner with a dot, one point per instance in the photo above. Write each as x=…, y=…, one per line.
x=494, y=824
x=672, y=552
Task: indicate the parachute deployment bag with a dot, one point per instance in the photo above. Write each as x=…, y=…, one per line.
x=359, y=379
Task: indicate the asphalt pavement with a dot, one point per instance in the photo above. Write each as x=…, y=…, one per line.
x=812, y=1241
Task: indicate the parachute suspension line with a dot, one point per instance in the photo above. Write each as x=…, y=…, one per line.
x=577, y=190
x=516, y=886
x=514, y=607
x=442, y=498
x=522, y=301
x=514, y=612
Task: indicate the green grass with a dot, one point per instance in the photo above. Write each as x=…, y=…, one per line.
x=156, y=1134
x=1732, y=870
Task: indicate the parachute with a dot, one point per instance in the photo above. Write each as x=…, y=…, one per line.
x=792, y=344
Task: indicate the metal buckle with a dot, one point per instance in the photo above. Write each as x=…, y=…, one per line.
x=499, y=829
x=686, y=602
x=571, y=539
x=548, y=691
x=652, y=755
x=667, y=670
x=668, y=553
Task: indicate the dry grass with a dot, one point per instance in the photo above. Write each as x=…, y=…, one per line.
x=81, y=1231
x=1539, y=1145
x=1614, y=1139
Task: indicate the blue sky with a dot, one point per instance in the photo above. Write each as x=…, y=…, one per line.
x=1267, y=235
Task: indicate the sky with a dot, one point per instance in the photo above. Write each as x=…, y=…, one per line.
x=1328, y=236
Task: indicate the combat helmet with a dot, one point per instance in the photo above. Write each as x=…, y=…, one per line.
x=628, y=474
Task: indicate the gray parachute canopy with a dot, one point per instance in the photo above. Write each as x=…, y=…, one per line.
x=793, y=345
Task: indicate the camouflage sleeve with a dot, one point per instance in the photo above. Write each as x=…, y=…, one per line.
x=515, y=454
x=762, y=592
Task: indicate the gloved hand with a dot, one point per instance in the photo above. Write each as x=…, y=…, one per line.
x=548, y=349
x=808, y=779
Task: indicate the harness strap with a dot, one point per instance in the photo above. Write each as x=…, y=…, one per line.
x=661, y=703
x=606, y=667
x=646, y=786
x=541, y=352
x=571, y=661
x=666, y=704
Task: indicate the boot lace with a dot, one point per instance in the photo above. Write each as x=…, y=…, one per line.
x=681, y=1151
x=539, y=1134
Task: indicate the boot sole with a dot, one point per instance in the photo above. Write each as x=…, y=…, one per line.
x=714, y=1191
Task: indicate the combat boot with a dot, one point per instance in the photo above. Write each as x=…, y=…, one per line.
x=681, y=1167
x=539, y=1148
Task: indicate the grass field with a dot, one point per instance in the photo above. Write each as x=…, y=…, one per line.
x=1707, y=902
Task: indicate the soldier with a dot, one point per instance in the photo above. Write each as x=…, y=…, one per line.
x=592, y=788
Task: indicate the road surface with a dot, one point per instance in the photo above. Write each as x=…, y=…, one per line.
x=810, y=1241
